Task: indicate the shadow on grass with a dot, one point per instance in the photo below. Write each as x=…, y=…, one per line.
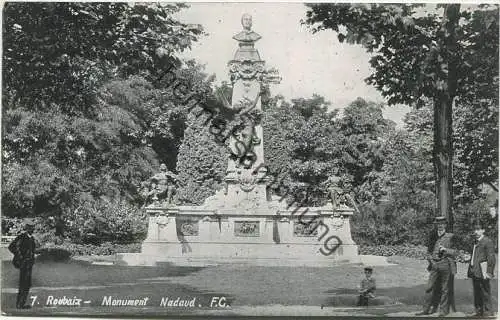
x=74, y=273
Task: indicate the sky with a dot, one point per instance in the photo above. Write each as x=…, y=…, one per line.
x=308, y=63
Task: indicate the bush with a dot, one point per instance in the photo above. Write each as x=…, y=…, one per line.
x=43, y=229
x=106, y=248
x=387, y=232
x=383, y=225
x=53, y=254
x=410, y=251
x=104, y=228
x=464, y=218
x=11, y=226
x=106, y=221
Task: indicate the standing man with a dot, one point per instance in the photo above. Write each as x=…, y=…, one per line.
x=367, y=287
x=23, y=248
x=442, y=267
x=480, y=270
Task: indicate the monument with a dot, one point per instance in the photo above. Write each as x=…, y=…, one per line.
x=243, y=222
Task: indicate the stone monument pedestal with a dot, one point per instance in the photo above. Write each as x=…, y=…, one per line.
x=242, y=223
x=188, y=235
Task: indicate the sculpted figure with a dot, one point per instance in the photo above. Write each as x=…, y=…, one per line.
x=247, y=35
x=246, y=40
x=152, y=194
x=336, y=194
x=242, y=143
x=166, y=183
x=160, y=186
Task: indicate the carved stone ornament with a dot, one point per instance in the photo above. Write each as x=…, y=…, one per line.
x=189, y=228
x=337, y=222
x=159, y=189
x=246, y=70
x=162, y=219
x=247, y=183
x=246, y=228
x=305, y=230
x=271, y=76
x=336, y=214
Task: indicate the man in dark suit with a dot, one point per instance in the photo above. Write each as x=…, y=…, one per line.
x=481, y=268
x=442, y=267
x=23, y=248
x=367, y=287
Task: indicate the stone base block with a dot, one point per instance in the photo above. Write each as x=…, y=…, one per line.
x=5, y=254
x=247, y=233
x=265, y=254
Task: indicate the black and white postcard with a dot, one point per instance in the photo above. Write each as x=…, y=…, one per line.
x=234, y=159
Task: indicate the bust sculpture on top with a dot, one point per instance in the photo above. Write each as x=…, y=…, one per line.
x=246, y=40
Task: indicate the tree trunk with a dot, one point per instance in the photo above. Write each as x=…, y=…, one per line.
x=443, y=157
x=443, y=108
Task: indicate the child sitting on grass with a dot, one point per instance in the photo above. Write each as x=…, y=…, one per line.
x=367, y=287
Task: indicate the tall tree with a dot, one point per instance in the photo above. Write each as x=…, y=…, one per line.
x=86, y=111
x=420, y=54
x=475, y=135
x=202, y=162
x=279, y=122
x=365, y=131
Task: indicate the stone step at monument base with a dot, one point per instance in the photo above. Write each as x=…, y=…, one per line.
x=264, y=254
x=138, y=259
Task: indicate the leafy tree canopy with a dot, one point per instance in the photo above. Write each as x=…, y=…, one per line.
x=60, y=53
x=406, y=42
x=88, y=112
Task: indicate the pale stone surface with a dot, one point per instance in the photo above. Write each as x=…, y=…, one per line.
x=375, y=261
x=273, y=237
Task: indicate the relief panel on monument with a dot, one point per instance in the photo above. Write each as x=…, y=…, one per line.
x=188, y=227
x=246, y=228
x=306, y=229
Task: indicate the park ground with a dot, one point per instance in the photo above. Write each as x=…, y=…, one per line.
x=248, y=290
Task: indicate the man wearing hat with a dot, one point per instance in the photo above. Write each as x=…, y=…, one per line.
x=23, y=248
x=480, y=270
x=442, y=268
x=367, y=287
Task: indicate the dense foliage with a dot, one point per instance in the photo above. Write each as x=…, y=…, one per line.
x=60, y=53
x=302, y=148
x=201, y=163
x=405, y=213
x=88, y=112
x=446, y=54
x=409, y=53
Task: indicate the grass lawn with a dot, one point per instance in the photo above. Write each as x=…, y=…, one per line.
x=399, y=287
